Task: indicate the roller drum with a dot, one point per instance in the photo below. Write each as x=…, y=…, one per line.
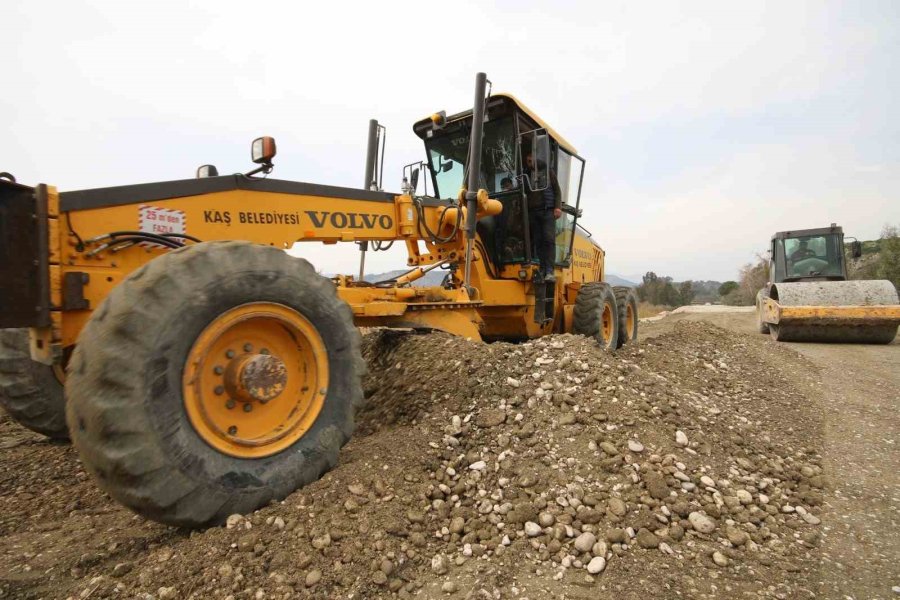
x=835, y=293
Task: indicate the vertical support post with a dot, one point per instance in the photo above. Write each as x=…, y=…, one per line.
x=474, y=167
x=371, y=154
x=371, y=161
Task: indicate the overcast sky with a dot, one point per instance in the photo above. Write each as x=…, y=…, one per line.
x=706, y=126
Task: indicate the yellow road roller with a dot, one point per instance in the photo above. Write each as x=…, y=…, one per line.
x=809, y=298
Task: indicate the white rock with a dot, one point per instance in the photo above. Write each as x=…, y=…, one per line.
x=513, y=382
x=744, y=496
x=440, y=564
x=720, y=559
x=787, y=508
x=680, y=438
x=763, y=499
x=597, y=564
x=478, y=465
x=278, y=523
x=811, y=519
x=599, y=549
x=701, y=522
x=708, y=481
x=635, y=446
x=585, y=541
x=665, y=548
x=233, y=521
x=532, y=529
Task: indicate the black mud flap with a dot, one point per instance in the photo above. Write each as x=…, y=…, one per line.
x=24, y=256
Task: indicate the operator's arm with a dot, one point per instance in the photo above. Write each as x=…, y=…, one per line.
x=557, y=196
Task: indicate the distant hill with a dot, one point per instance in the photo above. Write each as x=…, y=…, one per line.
x=616, y=280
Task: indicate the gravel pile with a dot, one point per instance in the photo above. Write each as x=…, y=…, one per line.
x=680, y=467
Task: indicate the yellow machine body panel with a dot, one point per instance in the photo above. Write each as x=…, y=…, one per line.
x=863, y=314
x=587, y=259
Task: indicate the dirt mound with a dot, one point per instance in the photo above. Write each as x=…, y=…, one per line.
x=683, y=466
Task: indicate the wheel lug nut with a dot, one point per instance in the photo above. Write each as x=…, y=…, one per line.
x=219, y=390
x=232, y=430
x=218, y=370
x=248, y=407
x=248, y=347
x=229, y=403
x=229, y=354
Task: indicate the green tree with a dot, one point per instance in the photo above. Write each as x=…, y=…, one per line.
x=728, y=287
x=686, y=292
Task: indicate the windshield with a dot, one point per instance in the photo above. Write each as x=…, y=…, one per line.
x=813, y=256
x=448, y=151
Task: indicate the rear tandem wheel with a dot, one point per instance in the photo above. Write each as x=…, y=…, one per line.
x=626, y=306
x=214, y=379
x=31, y=392
x=596, y=314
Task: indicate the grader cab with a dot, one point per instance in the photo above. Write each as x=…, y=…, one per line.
x=200, y=370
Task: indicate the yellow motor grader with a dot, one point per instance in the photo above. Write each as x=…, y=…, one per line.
x=201, y=370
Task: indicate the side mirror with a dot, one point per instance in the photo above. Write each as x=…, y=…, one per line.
x=262, y=150
x=414, y=179
x=856, y=249
x=204, y=171
x=446, y=166
x=540, y=149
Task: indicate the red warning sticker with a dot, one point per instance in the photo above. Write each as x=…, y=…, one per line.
x=161, y=220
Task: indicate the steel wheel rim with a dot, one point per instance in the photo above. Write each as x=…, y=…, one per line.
x=629, y=321
x=606, y=324
x=255, y=380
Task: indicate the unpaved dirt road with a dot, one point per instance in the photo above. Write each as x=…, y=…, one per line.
x=541, y=470
x=857, y=390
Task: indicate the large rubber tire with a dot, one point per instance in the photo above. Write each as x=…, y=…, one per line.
x=626, y=305
x=126, y=406
x=30, y=391
x=593, y=300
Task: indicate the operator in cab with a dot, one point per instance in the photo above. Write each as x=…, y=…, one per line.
x=544, y=207
x=802, y=252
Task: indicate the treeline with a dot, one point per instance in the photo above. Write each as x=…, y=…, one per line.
x=753, y=277
x=663, y=291
x=880, y=258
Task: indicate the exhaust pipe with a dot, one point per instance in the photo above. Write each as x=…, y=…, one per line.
x=474, y=166
x=371, y=161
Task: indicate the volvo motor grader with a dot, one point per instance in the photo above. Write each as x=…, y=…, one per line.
x=809, y=298
x=201, y=370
